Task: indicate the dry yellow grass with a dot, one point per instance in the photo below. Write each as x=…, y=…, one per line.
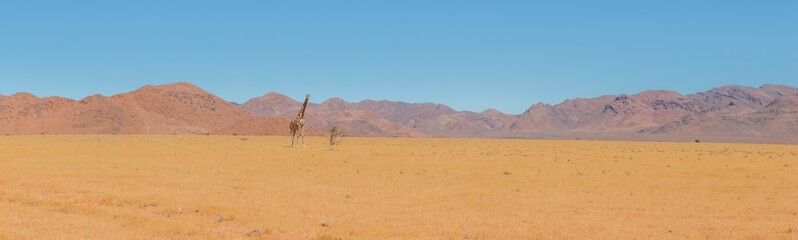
x=197, y=187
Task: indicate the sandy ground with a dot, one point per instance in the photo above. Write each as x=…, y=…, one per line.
x=198, y=187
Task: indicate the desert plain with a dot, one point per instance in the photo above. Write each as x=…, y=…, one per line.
x=247, y=187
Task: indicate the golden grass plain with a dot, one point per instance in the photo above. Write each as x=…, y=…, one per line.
x=234, y=187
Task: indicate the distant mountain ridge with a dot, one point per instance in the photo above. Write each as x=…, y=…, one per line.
x=179, y=108
x=728, y=113
x=648, y=115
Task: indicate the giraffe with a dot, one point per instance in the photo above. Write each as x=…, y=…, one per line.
x=298, y=125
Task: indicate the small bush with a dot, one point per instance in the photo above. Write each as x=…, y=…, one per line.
x=335, y=134
x=697, y=141
x=257, y=232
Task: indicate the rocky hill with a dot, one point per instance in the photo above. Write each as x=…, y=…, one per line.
x=727, y=113
x=648, y=115
x=180, y=108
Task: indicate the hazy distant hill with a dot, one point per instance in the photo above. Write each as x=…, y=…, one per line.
x=335, y=111
x=728, y=113
x=648, y=115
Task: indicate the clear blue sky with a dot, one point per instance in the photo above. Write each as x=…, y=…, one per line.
x=471, y=55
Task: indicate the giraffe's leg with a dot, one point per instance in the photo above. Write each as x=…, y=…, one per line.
x=302, y=132
x=291, y=131
x=293, y=137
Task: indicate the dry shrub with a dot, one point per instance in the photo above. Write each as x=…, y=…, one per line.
x=335, y=134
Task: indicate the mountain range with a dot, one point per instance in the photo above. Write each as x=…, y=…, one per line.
x=767, y=114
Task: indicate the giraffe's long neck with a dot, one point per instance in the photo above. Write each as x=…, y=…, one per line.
x=301, y=113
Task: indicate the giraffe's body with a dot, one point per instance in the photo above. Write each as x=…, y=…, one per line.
x=298, y=125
